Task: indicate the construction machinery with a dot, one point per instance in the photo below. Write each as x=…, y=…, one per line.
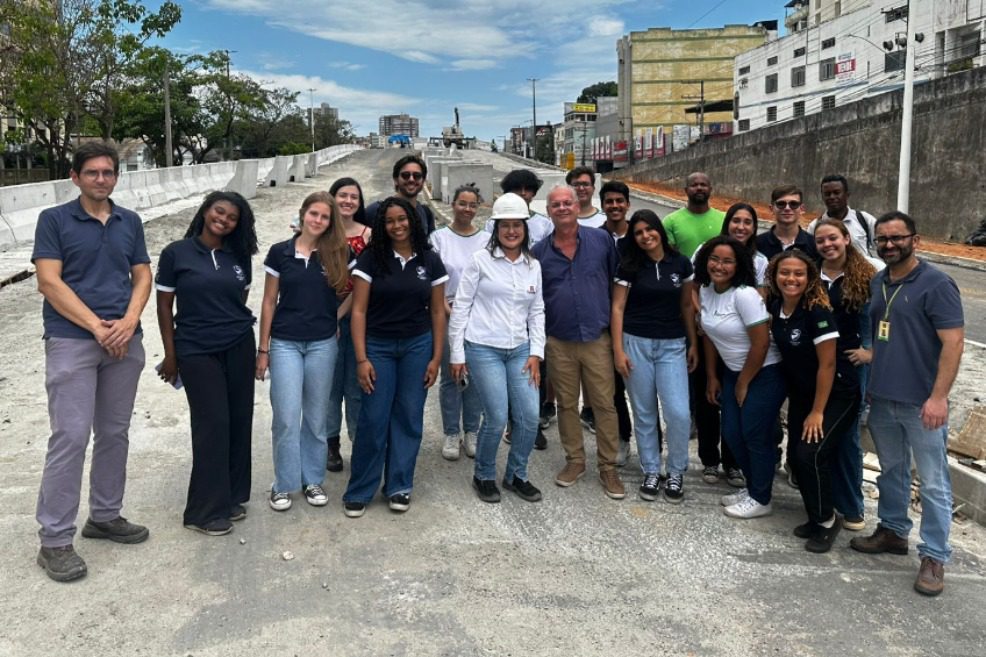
x=453, y=134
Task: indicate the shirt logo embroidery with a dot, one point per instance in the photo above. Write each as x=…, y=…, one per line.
x=676, y=280
x=795, y=337
x=531, y=289
x=422, y=274
x=823, y=324
x=239, y=273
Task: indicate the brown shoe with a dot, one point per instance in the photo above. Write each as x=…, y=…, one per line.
x=931, y=577
x=571, y=473
x=612, y=484
x=882, y=540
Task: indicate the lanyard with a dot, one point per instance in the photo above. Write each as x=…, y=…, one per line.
x=883, y=286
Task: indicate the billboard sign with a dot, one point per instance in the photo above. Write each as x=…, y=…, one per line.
x=845, y=67
x=587, y=108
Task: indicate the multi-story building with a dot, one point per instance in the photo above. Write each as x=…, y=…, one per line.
x=662, y=72
x=838, y=52
x=579, y=128
x=399, y=124
x=326, y=111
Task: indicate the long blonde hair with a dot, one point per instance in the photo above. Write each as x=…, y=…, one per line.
x=333, y=250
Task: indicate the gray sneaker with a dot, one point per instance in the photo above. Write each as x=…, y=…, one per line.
x=118, y=530
x=62, y=563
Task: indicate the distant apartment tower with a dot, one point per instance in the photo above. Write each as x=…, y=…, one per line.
x=662, y=72
x=837, y=53
x=326, y=111
x=399, y=124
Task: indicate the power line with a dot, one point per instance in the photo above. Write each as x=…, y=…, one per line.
x=717, y=5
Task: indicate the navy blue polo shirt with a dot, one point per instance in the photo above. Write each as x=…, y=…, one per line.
x=96, y=261
x=796, y=338
x=400, y=294
x=577, y=291
x=306, y=303
x=423, y=211
x=769, y=245
x=653, y=306
x=847, y=320
x=209, y=288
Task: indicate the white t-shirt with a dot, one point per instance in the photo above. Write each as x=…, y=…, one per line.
x=725, y=319
x=456, y=252
x=760, y=263
x=861, y=235
x=597, y=220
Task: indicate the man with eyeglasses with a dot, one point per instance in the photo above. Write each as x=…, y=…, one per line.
x=583, y=181
x=918, y=338
x=861, y=225
x=410, y=173
x=786, y=233
x=94, y=273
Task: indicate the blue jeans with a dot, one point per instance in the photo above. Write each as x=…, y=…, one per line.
x=300, y=377
x=660, y=370
x=898, y=433
x=455, y=404
x=749, y=430
x=344, y=385
x=502, y=386
x=388, y=435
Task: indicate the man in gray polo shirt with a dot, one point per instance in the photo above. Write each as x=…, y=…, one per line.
x=917, y=345
x=95, y=276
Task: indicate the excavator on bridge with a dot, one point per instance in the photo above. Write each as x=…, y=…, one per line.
x=453, y=134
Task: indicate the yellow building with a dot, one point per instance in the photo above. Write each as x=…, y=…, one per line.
x=664, y=71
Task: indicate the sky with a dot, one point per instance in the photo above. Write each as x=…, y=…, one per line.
x=426, y=57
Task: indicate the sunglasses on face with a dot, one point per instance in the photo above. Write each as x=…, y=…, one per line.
x=784, y=205
x=407, y=175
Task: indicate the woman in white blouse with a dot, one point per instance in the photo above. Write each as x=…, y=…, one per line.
x=496, y=333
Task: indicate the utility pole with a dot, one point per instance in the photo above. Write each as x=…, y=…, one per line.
x=534, y=112
x=229, y=107
x=311, y=114
x=907, y=118
x=701, y=107
x=169, y=154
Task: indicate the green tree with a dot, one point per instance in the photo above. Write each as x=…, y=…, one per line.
x=595, y=91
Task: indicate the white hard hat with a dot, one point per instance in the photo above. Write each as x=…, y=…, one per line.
x=510, y=206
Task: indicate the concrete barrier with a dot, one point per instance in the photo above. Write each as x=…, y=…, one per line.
x=279, y=172
x=244, y=181
x=437, y=174
x=20, y=205
x=264, y=167
x=481, y=175
x=296, y=172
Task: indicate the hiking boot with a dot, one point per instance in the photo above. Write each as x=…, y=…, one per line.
x=540, y=441
x=931, y=577
x=315, y=495
x=217, y=527
x=571, y=473
x=710, y=474
x=451, y=448
x=612, y=485
x=623, y=453
x=62, y=564
x=334, y=461
x=486, y=490
x=674, y=489
x=649, y=490
x=821, y=541
x=881, y=540
x=735, y=478
x=525, y=490
x=118, y=530
x=469, y=444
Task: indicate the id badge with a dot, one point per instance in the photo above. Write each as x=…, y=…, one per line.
x=883, y=331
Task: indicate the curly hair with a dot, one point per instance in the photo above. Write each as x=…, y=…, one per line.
x=243, y=240
x=381, y=245
x=857, y=271
x=751, y=242
x=632, y=257
x=745, y=273
x=815, y=294
x=333, y=250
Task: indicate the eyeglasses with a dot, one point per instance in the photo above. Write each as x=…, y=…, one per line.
x=882, y=240
x=407, y=175
x=727, y=262
x=784, y=205
x=93, y=174
x=583, y=184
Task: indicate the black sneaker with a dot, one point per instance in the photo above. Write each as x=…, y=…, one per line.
x=540, y=441
x=400, y=502
x=354, y=509
x=588, y=419
x=806, y=530
x=217, y=527
x=525, y=490
x=674, y=489
x=486, y=490
x=824, y=537
x=118, y=530
x=651, y=487
x=237, y=512
x=62, y=564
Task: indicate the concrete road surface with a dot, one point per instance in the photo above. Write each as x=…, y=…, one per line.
x=577, y=574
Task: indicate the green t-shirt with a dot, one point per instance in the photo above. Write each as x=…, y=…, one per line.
x=688, y=231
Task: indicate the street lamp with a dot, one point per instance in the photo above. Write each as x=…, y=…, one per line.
x=534, y=122
x=311, y=114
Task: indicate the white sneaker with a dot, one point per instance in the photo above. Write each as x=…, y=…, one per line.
x=623, y=453
x=748, y=508
x=734, y=498
x=450, y=449
x=470, y=444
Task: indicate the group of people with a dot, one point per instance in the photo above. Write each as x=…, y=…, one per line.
x=693, y=316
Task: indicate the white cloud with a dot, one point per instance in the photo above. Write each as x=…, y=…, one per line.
x=347, y=66
x=473, y=64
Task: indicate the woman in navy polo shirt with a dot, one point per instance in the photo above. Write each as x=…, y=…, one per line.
x=210, y=344
x=823, y=390
x=298, y=341
x=651, y=317
x=398, y=323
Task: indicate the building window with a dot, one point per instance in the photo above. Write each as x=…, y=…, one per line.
x=828, y=102
x=799, y=52
x=772, y=113
x=826, y=69
x=744, y=125
x=771, y=60
x=744, y=70
x=770, y=83
x=798, y=76
x=894, y=61
x=898, y=14
x=799, y=108
x=828, y=43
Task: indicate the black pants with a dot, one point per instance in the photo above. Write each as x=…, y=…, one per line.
x=219, y=387
x=812, y=461
x=707, y=420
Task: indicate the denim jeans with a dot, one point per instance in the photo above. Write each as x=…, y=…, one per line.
x=749, y=430
x=660, y=370
x=898, y=433
x=300, y=379
x=388, y=436
x=501, y=384
x=457, y=404
x=344, y=385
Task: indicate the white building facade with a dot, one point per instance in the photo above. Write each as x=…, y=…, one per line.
x=831, y=57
